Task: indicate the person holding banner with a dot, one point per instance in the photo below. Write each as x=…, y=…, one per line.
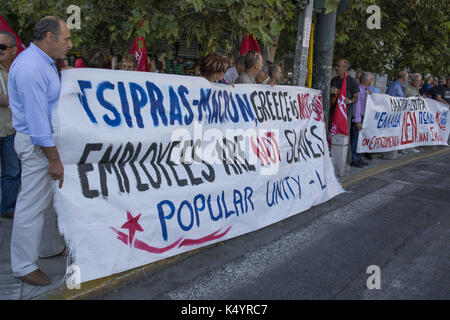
x=253, y=66
x=426, y=86
x=275, y=74
x=213, y=67
x=396, y=90
x=233, y=73
x=411, y=89
x=442, y=91
x=365, y=80
x=34, y=88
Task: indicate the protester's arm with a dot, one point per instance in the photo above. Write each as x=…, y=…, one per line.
x=34, y=97
x=334, y=95
x=439, y=98
x=273, y=82
x=353, y=100
x=357, y=116
x=354, y=89
x=55, y=166
x=359, y=126
x=4, y=101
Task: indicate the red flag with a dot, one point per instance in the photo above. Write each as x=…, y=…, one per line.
x=140, y=52
x=248, y=44
x=340, y=124
x=79, y=63
x=4, y=26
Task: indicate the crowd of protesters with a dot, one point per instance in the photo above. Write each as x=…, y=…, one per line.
x=222, y=68
x=29, y=92
x=358, y=88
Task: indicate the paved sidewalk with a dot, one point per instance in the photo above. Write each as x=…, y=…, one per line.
x=15, y=289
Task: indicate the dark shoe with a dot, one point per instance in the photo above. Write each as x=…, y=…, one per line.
x=63, y=251
x=356, y=164
x=9, y=215
x=364, y=163
x=36, y=278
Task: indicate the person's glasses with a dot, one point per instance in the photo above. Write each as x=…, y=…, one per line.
x=4, y=46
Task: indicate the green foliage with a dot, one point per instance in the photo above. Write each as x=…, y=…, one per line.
x=414, y=34
x=331, y=5
x=213, y=23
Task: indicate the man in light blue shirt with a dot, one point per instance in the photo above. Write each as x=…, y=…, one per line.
x=34, y=87
x=373, y=89
x=395, y=89
x=32, y=108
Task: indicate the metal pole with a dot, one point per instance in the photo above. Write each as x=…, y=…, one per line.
x=302, y=45
x=323, y=56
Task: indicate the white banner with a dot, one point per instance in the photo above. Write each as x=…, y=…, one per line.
x=156, y=165
x=392, y=123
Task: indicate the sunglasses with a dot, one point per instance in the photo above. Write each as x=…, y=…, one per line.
x=4, y=46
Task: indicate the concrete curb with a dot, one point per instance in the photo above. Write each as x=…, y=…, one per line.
x=392, y=164
x=91, y=289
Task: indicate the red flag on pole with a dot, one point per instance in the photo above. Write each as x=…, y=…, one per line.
x=248, y=44
x=4, y=26
x=340, y=124
x=140, y=52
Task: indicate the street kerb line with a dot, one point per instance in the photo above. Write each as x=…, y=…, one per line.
x=95, y=287
x=392, y=164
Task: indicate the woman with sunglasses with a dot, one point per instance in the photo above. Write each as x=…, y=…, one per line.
x=10, y=178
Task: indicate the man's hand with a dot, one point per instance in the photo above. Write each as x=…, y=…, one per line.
x=439, y=98
x=56, y=171
x=4, y=100
x=335, y=91
x=55, y=166
x=359, y=125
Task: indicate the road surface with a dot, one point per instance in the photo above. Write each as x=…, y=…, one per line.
x=390, y=232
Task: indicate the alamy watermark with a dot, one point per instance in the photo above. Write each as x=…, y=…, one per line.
x=74, y=20
x=374, y=20
x=374, y=281
x=73, y=277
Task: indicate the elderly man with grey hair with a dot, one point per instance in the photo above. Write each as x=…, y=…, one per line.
x=411, y=89
x=366, y=80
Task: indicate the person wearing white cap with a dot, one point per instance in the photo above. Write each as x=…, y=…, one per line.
x=427, y=85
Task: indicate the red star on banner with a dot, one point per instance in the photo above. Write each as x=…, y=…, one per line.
x=132, y=225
